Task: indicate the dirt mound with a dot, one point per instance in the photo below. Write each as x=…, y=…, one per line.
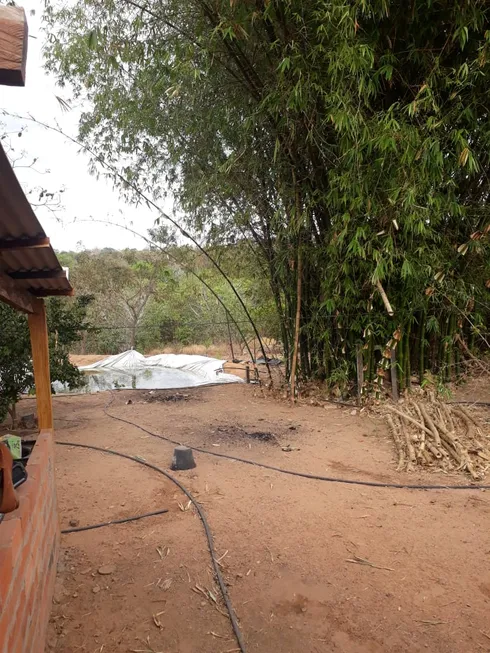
x=237, y=433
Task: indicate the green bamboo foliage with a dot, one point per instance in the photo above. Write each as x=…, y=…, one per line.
x=356, y=128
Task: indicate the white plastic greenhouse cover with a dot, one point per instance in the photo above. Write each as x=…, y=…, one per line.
x=187, y=370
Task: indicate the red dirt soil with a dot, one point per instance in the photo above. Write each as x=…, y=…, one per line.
x=287, y=543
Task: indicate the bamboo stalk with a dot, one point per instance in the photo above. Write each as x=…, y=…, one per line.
x=360, y=373
x=426, y=457
x=452, y=452
x=401, y=362
x=408, y=367
x=467, y=422
x=385, y=299
x=465, y=412
x=422, y=349
x=440, y=348
x=430, y=424
x=297, y=325
x=371, y=358
x=449, y=418
x=394, y=375
x=457, y=362
x=450, y=350
x=410, y=419
x=398, y=441
x=412, y=458
x=434, y=450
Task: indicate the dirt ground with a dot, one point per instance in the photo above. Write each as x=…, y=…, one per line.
x=288, y=545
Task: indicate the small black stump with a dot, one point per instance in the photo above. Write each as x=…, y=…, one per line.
x=183, y=458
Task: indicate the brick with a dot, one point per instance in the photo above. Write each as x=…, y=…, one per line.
x=10, y=544
x=5, y=622
x=25, y=567
x=29, y=547
x=18, y=611
x=30, y=637
x=35, y=528
x=33, y=484
x=11, y=534
x=27, y=611
x=36, y=643
x=39, y=454
x=15, y=635
x=15, y=641
x=24, y=511
x=31, y=613
x=6, y=572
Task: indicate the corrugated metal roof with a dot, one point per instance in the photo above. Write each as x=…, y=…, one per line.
x=25, y=254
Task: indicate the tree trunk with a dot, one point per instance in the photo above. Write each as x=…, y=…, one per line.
x=13, y=414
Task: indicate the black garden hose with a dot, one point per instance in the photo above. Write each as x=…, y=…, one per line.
x=202, y=516
x=328, y=479
x=79, y=529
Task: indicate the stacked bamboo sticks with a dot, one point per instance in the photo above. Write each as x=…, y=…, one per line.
x=439, y=435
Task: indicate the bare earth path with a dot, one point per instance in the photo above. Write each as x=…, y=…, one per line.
x=286, y=542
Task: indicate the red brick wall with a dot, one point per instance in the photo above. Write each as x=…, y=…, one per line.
x=29, y=544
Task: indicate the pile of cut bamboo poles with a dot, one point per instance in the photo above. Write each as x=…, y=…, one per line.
x=439, y=435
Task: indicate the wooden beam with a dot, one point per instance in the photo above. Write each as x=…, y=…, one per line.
x=16, y=297
x=13, y=46
x=37, y=274
x=52, y=292
x=12, y=244
x=38, y=329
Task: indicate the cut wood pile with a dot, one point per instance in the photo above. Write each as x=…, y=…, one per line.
x=439, y=435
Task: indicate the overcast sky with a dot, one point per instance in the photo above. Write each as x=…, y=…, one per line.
x=85, y=197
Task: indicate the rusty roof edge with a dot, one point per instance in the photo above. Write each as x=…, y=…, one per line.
x=19, y=204
x=18, y=212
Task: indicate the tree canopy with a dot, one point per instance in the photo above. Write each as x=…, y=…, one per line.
x=66, y=324
x=175, y=307
x=346, y=142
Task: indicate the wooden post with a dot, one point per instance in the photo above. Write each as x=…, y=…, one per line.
x=230, y=338
x=40, y=358
x=360, y=373
x=394, y=375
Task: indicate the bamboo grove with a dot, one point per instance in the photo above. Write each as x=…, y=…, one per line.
x=346, y=142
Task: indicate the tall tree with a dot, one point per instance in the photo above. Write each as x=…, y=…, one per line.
x=346, y=141
x=122, y=284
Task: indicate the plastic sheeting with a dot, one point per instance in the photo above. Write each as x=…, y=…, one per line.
x=164, y=371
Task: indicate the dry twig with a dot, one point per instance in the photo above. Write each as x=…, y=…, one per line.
x=362, y=561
